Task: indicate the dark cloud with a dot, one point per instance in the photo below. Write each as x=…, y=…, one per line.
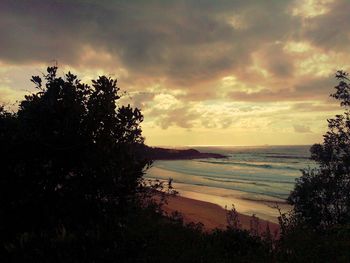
x=185, y=48
x=186, y=42
x=330, y=30
x=276, y=61
x=308, y=89
x=139, y=99
x=182, y=117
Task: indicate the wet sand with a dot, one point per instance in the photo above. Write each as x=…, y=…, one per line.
x=248, y=204
x=211, y=215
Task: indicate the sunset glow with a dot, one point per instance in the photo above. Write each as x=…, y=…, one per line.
x=202, y=72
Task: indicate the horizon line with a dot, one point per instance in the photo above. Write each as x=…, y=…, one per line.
x=224, y=145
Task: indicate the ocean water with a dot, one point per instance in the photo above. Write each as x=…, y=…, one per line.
x=264, y=173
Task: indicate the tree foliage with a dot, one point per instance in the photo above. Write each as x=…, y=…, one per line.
x=317, y=228
x=69, y=166
x=321, y=197
x=72, y=187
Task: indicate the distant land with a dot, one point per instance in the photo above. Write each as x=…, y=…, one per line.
x=156, y=153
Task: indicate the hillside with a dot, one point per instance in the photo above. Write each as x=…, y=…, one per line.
x=156, y=153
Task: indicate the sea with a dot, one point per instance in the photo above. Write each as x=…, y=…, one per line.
x=256, y=180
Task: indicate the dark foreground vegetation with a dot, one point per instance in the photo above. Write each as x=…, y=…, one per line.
x=72, y=188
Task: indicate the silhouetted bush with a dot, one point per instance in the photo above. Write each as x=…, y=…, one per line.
x=321, y=197
x=317, y=229
x=71, y=186
x=69, y=169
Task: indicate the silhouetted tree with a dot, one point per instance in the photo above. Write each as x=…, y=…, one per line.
x=71, y=186
x=69, y=169
x=321, y=197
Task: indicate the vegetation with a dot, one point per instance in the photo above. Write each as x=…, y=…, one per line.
x=318, y=228
x=69, y=170
x=322, y=196
x=155, y=153
x=72, y=188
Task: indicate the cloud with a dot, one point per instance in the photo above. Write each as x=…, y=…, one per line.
x=191, y=64
x=182, y=117
x=138, y=99
x=329, y=29
x=314, y=107
x=301, y=128
x=314, y=88
x=273, y=59
x=195, y=42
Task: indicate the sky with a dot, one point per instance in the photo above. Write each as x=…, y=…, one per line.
x=203, y=72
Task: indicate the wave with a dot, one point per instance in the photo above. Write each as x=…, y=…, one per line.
x=268, y=171
x=266, y=166
x=287, y=156
x=251, y=180
x=235, y=181
x=245, y=177
x=232, y=187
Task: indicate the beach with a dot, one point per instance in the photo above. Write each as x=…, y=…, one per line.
x=256, y=180
x=211, y=215
x=247, y=205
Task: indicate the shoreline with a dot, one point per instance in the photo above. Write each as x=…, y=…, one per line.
x=245, y=203
x=212, y=215
x=209, y=204
x=261, y=208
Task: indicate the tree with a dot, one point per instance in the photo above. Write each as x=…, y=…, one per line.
x=70, y=169
x=71, y=186
x=321, y=197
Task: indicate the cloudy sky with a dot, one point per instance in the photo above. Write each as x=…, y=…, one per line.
x=204, y=72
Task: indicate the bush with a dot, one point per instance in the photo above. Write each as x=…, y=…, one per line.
x=69, y=169
x=321, y=197
x=317, y=229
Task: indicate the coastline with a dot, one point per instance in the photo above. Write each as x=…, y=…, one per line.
x=204, y=196
x=246, y=204
x=212, y=215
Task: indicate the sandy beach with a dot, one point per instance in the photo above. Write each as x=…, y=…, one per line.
x=211, y=215
x=255, y=187
x=246, y=204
